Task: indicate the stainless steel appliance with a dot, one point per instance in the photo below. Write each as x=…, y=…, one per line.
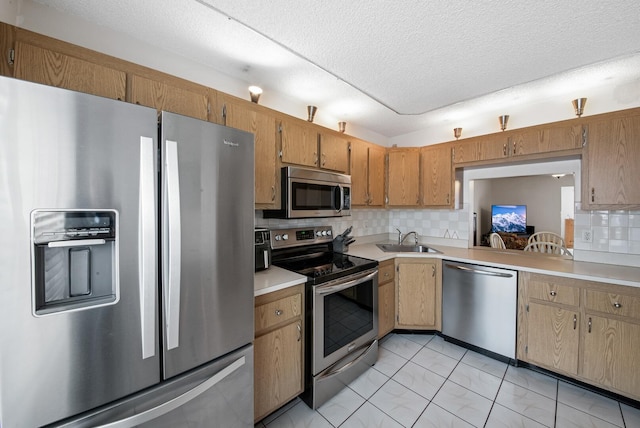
x=479, y=306
x=341, y=309
x=262, y=249
x=313, y=193
x=126, y=280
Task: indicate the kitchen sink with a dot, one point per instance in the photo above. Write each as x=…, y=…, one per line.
x=397, y=248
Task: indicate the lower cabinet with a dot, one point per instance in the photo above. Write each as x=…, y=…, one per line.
x=583, y=329
x=419, y=293
x=278, y=349
x=386, y=297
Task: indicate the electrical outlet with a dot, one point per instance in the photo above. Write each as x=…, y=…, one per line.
x=587, y=236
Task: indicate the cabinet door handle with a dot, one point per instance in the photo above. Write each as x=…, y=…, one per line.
x=617, y=305
x=299, y=332
x=553, y=293
x=433, y=270
x=504, y=149
x=514, y=147
x=593, y=194
x=278, y=312
x=575, y=321
x=273, y=193
x=589, y=324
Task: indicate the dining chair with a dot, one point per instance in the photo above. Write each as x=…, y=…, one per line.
x=547, y=247
x=496, y=241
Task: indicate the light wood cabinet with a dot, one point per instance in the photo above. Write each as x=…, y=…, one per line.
x=53, y=68
x=583, y=329
x=164, y=96
x=404, y=177
x=419, y=294
x=553, y=337
x=262, y=123
x=298, y=142
x=334, y=152
x=437, y=176
x=611, y=162
x=278, y=349
x=367, y=173
x=386, y=297
x=7, y=41
x=567, y=135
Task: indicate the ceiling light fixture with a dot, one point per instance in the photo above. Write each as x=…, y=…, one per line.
x=503, y=121
x=342, y=126
x=578, y=105
x=255, y=92
x=311, y=110
x=457, y=132
x=558, y=176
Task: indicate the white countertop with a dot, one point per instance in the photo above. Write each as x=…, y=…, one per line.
x=515, y=259
x=275, y=278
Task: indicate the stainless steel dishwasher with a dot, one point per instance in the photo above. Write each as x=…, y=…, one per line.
x=479, y=305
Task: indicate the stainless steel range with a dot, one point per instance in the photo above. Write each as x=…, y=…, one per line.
x=341, y=309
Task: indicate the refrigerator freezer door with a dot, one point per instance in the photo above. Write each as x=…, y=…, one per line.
x=62, y=150
x=219, y=394
x=207, y=251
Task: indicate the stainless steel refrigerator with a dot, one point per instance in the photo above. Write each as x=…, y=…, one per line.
x=126, y=264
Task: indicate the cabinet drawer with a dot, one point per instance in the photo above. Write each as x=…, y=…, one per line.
x=549, y=291
x=386, y=272
x=613, y=303
x=278, y=311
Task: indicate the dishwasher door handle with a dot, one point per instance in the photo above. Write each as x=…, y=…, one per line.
x=481, y=272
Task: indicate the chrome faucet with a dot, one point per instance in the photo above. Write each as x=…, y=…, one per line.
x=415, y=236
x=399, y=236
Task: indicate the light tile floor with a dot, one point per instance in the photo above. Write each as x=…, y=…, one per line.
x=422, y=381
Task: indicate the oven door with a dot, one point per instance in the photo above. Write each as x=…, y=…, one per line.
x=345, y=317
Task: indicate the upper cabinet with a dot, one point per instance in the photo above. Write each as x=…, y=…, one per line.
x=161, y=95
x=7, y=40
x=566, y=135
x=404, y=177
x=53, y=68
x=367, y=173
x=611, y=161
x=536, y=141
x=258, y=120
x=334, y=152
x=298, y=142
x=437, y=176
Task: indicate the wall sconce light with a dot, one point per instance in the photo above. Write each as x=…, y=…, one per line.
x=457, y=132
x=311, y=110
x=503, y=121
x=578, y=105
x=255, y=93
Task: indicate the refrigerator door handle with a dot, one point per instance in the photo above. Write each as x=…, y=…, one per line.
x=180, y=400
x=173, y=246
x=147, y=247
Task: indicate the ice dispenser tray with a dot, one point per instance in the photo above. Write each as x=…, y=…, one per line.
x=74, y=259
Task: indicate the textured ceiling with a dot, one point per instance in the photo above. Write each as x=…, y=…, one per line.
x=384, y=65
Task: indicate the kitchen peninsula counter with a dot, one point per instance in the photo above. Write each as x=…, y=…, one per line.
x=276, y=278
x=515, y=259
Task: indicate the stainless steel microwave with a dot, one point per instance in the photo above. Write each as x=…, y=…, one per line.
x=312, y=193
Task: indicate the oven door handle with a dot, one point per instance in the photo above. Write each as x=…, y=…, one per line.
x=330, y=372
x=328, y=289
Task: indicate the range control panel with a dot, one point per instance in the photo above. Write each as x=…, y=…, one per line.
x=284, y=238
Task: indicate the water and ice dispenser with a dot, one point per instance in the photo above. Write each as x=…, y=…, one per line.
x=74, y=259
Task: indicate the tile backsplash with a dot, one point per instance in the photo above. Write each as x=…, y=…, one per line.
x=453, y=224
x=610, y=231
x=611, y=237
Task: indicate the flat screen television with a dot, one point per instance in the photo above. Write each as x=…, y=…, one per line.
x=509, y=218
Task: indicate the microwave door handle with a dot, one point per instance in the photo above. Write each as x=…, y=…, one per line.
x=340, y=193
